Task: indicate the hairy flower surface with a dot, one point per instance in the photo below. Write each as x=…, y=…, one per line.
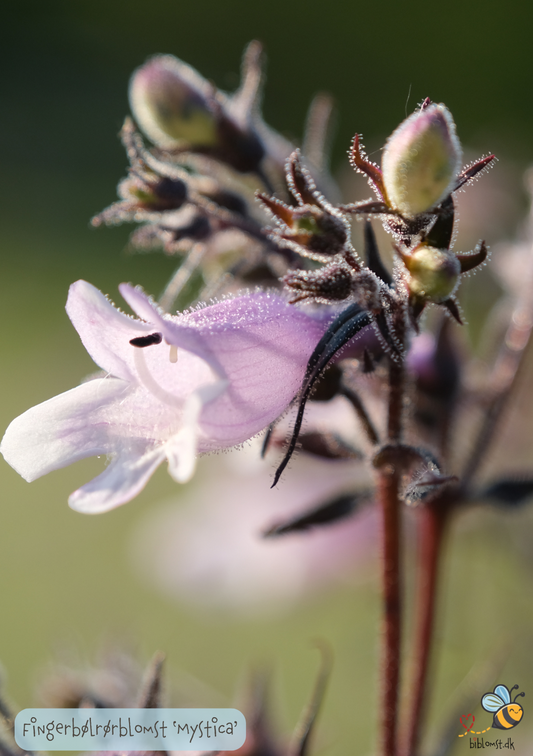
x=422, y=160
x=197, y=382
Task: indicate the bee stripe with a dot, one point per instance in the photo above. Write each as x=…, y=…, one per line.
x=505, y=718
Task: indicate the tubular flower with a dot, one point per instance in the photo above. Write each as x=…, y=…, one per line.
x=175, y=386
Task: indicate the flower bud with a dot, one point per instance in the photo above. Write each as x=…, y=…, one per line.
x=319, y=231
x=159, y=194
x=434, y=273
x=332, y=283
x=421, y=161
x=170, y=102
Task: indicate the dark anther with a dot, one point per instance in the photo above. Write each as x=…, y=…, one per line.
x=144, y=341
x=345, y=326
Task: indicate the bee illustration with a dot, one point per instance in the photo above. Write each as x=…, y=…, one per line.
x=507, y=713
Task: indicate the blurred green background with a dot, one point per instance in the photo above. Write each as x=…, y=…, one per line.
x=66, y=578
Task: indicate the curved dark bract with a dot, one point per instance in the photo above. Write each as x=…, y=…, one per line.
x=325, y=514
x=509, y=492
x=350, y=312
x=352, y=320
x=440, y=234
x=373, y=258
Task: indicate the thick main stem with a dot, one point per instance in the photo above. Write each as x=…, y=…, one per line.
x=432, y=520
x=389, y=476
x=388, y=484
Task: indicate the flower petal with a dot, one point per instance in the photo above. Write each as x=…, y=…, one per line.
x=104, y=330
x=58, y=432
x=181, y=449
x=125, y=476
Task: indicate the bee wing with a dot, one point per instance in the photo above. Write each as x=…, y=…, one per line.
x=492, y=702
x=503, y=692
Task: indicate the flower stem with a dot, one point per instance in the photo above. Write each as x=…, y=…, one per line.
x=388, y=485
x=432, y=522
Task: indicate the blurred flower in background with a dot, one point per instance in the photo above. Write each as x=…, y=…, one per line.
x=209, y=547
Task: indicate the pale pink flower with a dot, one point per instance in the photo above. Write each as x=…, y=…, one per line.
x=205, y=380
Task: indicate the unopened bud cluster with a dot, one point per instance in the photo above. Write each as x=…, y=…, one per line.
x=421, y=170
x=214, y=167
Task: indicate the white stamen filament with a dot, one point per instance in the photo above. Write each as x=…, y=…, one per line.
x=173, y=355
x=148, y=381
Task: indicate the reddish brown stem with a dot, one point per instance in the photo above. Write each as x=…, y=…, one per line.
x=388, y=484
x=432, y=521
x=388, y=487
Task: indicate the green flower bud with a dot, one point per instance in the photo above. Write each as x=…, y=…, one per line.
x=421, y=161
x=434, y=273
x=171, y=103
